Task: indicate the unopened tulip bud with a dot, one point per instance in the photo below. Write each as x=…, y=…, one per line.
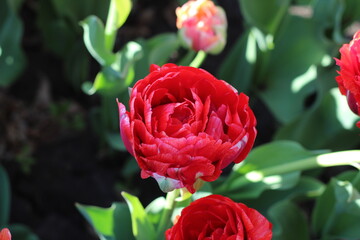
x=202, y=26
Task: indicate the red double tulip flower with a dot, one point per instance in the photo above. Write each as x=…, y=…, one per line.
x=5, y=234
x=218, y=217
x=349, y=74
x=184, y=125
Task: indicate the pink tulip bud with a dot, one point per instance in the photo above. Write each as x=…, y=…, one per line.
x=202, y=26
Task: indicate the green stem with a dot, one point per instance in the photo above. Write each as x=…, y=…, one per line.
x=167, y=212
x=198, y=60
x=351, y=157
x=110, y=28
x=187, y=59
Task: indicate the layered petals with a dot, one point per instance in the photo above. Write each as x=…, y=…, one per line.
x=184, y=124
x=5, y=234
x=217, y=217
x=349, y=74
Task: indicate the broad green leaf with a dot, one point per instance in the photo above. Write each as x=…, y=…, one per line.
x=58, y=23
x=287, y=73
x=95, y=41
x=306, y=188
x=126, y=59
x=12, y=59
x=337, y=212
x=350, y=176
x=100, y=218
x=162, y=47
x=114, y=80
x=155, y=209
x=247, y=180
x=264, y=14
x=123, y=9
x=328, y=15
x=331, y=124
x=289, y=222
x=22, y=232
x=273, y=154
x=74, y=11
x=238, y=67
x=352, y=12
x=108, y=82
x=115, y=141
x=5, y=197
x=142, y=228
x=77, y=64
x=122, y=222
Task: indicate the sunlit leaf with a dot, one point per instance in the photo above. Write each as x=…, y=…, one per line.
x=247, y=179
x=141, y=225
x=94, y=40
x=100, y=218
x=123, y=9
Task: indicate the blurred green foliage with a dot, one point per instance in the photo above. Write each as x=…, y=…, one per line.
x=12, y=59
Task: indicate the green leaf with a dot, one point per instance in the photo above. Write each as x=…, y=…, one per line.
x=115, y=141
x=5, y=197
x=306, y=188
x=352, y=12
x=74, y=11
x=247, y=180
x=12, y=59
x=289, y=222
x=123, y=9
x=162, y=47
x=94, y=39
x=122, y=222
x=238, y=67
x=265, y=15
x=109, y=223
x=100, y=218
x=22, y=232
x=330, y=124
x=126, y=59
x=328, y=15
x=287, y=74
x=337, y=212
x=142, y=228
x=154, y=210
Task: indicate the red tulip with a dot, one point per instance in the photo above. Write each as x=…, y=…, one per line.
x=184, y=125
x=218, y=217
x=5, y=234
x=349, y=74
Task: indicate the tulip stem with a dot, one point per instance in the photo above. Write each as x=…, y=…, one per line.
x=167, y=213
x=199, y=59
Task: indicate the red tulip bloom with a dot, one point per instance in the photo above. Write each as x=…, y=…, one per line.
x=220, y=218
x=5, y=234
x=184, y=125
x=349, y=74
